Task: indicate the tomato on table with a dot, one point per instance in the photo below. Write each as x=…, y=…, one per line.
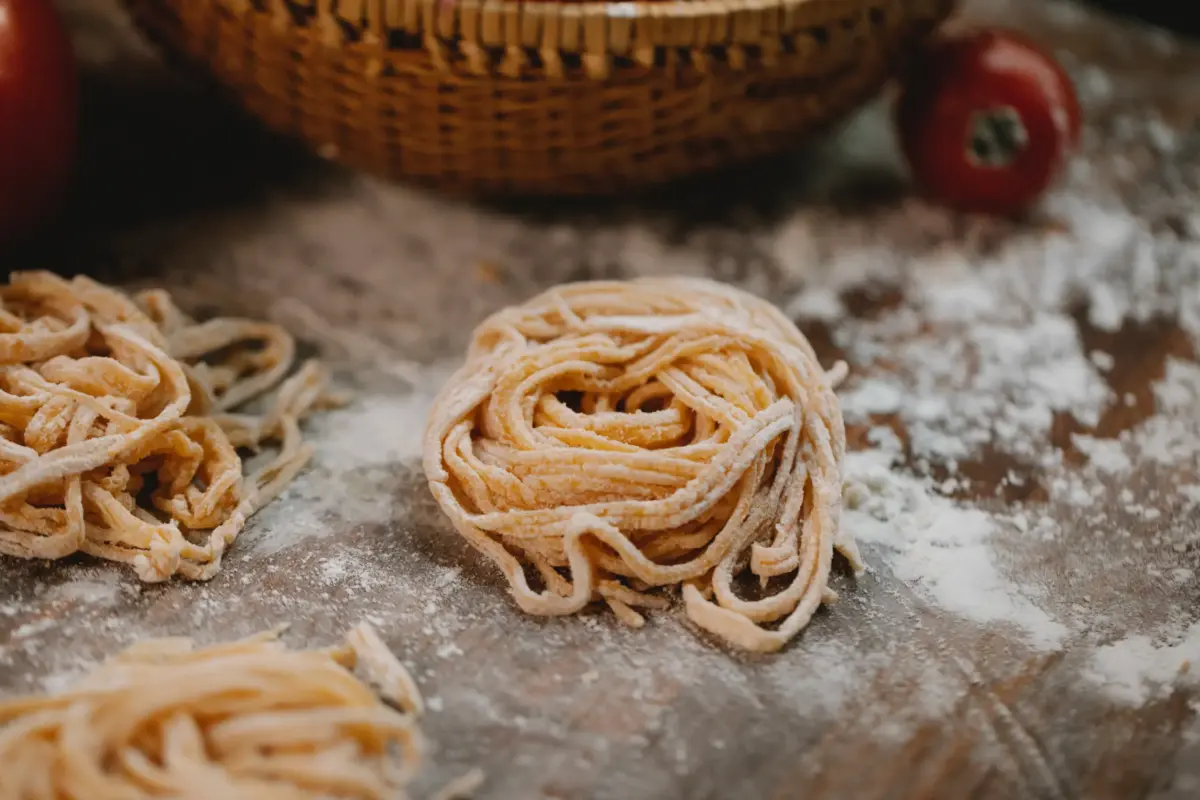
x=987, y=121
x=38, y=113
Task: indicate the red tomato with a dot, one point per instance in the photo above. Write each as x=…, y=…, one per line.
x=987, y=121
x=38, y=110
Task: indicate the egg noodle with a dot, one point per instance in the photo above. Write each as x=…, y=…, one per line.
x=248, y=720
x=607, y=439
x=118, y=431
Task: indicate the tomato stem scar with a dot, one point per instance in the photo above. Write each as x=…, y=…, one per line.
x=995, y=137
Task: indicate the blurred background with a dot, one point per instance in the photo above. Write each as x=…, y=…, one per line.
x=1176, y=14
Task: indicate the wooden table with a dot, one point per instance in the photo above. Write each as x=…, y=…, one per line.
x=1024, y=405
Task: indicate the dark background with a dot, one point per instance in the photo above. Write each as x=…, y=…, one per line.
x=1180, y=15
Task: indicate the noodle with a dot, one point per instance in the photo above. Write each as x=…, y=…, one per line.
x=118, y=436
x=248, y=720
x=611, y=438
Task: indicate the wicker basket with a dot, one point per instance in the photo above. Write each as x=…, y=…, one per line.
x=497, y=96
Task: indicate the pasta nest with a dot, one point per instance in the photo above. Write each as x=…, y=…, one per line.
x=247, y=720
x=616, y=438
x=118, y=435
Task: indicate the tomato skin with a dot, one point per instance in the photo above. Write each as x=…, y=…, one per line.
x=39, y=99
x=987, y=121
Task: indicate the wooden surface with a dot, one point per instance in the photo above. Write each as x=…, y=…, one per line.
x=1072, y=684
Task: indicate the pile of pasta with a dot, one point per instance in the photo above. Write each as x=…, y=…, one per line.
x=249, y=720
x=610, y=439
x=120, y=427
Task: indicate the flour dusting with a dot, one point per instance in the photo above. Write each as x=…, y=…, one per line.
x=357, y=448
x=1138, y=668
x=1025, y=475
x=999, y=382
x=939, y=548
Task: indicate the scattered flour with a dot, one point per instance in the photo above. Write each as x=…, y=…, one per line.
x=334, y=570
x=1137, y=668
x=990, y=351
x=1106, y=456
x=347, y=480
x=1191, y=492
x=873, y=396
x=449, y=650
x=33, y=628
x=65, y=679
x=1179, y=390
x=984, y=350
x=105, y=587
x=379, y=429
x=939, y=548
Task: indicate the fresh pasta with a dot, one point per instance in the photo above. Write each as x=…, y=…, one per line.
x=248, y=720
x=120, y=425
x=610, y=439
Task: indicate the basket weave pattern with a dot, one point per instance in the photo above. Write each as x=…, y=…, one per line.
x=496, y=96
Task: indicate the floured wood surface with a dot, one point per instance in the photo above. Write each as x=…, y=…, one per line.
x=1024, y=404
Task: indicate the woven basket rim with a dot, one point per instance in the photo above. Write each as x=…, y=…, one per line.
x=595, y=27
x=488, y=100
